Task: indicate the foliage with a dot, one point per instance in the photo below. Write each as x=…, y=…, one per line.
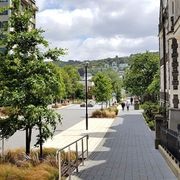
x=103, y=113
x=110, y=112
x=79, y=91
x=150, y=110
x=16, y=165
x=28, y=84
x=94, y=66
x=60, y=88
x=154, y=87
x=142, y=72
x=43, y=172
x=102, y=87
x=71, y=78
x=116, y=82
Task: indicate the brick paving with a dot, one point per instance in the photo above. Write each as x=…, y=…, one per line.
x=126, y=153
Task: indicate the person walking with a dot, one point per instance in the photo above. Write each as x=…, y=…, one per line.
x=131, y=100
x=123, y=105
x=127, y=105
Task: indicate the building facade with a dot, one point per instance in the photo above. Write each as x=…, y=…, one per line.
x=24, y=4
x=169, y=47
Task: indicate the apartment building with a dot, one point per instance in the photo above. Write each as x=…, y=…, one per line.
x=169, y=47
x=24, y=4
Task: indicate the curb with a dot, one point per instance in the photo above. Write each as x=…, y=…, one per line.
x=170, y=161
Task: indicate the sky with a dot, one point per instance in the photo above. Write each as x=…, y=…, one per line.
x=97, y=29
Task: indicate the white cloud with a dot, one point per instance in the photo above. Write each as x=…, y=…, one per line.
x=100, y=28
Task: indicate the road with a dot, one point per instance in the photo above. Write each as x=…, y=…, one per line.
x=71, y=115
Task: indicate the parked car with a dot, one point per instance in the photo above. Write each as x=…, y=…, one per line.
x=90, y=104
x=83, y=104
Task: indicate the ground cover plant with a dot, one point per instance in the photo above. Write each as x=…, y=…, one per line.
x=110, y=112
x=16, y=165
x=150, y=111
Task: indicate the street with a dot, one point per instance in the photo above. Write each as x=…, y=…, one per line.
x=71, y=115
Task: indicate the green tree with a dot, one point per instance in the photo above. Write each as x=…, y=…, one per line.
x=141, y=72
x=74, y=78
x=79, y=91
x=60, y=88
x=154, y=87
x=67, y=83
x=102, y=87
x=116, y=82
x=28, y=84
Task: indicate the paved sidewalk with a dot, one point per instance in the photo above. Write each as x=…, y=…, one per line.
x=97, y=130
x=126, y=153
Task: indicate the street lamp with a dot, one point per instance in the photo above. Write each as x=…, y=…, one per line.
x=86, y=93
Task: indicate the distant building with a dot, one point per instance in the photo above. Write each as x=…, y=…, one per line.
x=123, y=66
x=106, y=66
x=169, y=41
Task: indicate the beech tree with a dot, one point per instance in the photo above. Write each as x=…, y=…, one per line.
x=28, y=84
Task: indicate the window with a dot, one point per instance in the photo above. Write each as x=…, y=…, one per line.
x=4, y=13
x=3, y=0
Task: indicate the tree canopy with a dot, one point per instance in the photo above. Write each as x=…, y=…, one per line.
x=116, y=83
x=102, y=87
x=142, y=73
x=28, y=84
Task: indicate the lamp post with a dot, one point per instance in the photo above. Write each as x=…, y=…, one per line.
x=86, y=93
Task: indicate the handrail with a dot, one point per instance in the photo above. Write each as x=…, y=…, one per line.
x=72, y=143
x=79, y=158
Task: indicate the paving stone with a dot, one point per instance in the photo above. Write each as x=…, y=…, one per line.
x=127, y=153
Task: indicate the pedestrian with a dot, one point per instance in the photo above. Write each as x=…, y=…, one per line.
x=127, y=105
x=131, y=100
x=123, y=105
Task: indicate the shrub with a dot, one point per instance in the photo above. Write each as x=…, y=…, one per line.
x=8, y=171
x=12, y=156
x=151, y=125
x=47, y=152
x=150, y=110
x=64, y=156
x=114, y=109
x=105, y=113
x=42, y=172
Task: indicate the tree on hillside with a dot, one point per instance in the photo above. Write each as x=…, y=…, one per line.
x=116, y=83
x=141, y=72
x=28, y=84
x=102, y=87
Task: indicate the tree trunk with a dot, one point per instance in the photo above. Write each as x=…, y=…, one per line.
x=28, y=139
x=40, y=140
